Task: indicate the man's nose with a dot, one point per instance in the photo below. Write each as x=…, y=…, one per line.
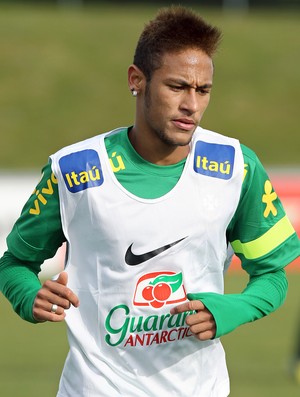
x=190, y=101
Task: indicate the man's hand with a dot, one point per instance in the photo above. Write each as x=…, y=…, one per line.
x=202, y=323
x=54, y=292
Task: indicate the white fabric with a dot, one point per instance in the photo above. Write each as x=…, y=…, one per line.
x=122, y=344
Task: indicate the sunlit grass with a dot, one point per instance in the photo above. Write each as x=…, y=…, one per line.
x=63, y=77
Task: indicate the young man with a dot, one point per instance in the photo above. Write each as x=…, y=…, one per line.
x=149, y=214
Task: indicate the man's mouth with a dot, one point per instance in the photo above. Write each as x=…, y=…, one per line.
x=184, y=124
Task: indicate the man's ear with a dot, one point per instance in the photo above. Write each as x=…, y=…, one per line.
x=136, y=79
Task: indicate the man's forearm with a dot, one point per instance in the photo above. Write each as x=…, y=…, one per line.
x=19, y=284
x=263, y=295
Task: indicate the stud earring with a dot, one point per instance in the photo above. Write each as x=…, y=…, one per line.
x=134, y=92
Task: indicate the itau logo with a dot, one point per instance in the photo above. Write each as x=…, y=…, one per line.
x=157, y=289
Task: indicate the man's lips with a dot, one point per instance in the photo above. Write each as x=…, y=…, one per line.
x=184, y=124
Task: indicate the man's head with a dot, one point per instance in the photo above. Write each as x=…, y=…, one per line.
x=171, y=78
x=174, y=29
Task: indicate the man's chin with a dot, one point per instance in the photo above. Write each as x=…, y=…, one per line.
x=182, y=139
x=181, y=144
x=176, y=138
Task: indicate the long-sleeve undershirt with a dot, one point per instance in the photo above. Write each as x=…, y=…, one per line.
x=36, y=237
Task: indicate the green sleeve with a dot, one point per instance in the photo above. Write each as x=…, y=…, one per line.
x=37, y=234
x=260, y=233
x=265, y=241
x=20, y=284
x=263, y=295
x=35, y=237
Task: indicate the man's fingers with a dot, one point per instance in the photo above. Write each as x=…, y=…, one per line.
x=206, y=335
x=46, y=315
x=49, y=307
x=201, y=321
x=201, y=316
x=59, y=293
x=188, y=306
x=53, y=299
x=68, y=293
x=45, y=299
x=62, y=278
x=43, y=310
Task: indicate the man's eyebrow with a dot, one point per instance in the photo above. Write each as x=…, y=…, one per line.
x=205, y=85
x=184, y=83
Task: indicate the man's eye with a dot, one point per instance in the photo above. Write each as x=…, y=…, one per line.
x=175, y=87
x=203, y=91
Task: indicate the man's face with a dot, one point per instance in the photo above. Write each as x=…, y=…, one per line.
x=178, y=95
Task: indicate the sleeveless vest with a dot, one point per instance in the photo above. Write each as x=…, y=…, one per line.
x=130, y=260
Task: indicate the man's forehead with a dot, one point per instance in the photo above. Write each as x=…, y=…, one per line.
x=188, y=55
x=186, y=66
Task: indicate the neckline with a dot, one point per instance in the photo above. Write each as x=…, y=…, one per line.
x=143, y=163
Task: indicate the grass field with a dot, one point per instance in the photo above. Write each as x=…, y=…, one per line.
x=259, y=354
x=63, y=78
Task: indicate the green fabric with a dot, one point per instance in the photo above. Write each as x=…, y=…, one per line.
x=263, y=295
x=259, y=231
x=138, y=176
x=35, y=237
x=20, y=284
x=37, y=234
x=264, y=244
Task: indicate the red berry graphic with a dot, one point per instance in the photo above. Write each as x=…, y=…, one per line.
x=157, y=304
x=147, y=293
x=162, y=292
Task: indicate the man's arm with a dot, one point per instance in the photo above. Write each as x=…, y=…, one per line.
x=19, y=283
x=263, y=295
x=35, y=237
x=31, y=300
x=265, y=241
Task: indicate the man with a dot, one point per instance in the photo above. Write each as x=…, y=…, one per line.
x=149, y=214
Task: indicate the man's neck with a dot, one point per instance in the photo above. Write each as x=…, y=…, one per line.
x=155, y=151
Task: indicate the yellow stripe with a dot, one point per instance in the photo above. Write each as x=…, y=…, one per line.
x=267, y=242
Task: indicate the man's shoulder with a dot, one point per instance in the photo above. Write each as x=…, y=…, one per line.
x=88, y=143
x=213, y=136
x=76, y=146
x=248, y=154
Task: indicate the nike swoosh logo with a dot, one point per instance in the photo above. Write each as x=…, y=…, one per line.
x=131, y=259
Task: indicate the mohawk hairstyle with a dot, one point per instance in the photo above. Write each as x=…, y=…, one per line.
x=174, y=29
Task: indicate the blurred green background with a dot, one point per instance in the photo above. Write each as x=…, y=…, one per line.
x=63, y=77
